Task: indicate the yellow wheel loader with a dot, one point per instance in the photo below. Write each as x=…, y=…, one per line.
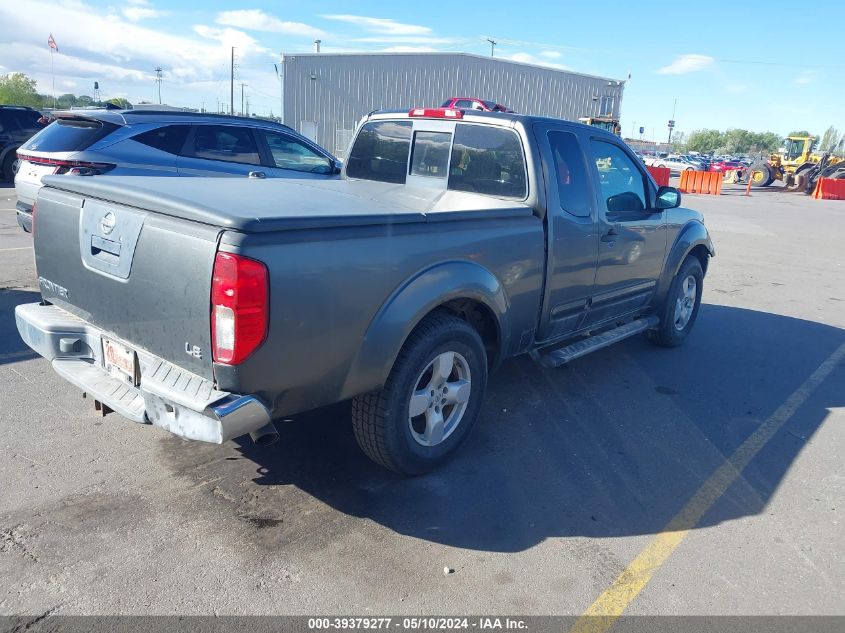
x=794, y=165
x=604, y=122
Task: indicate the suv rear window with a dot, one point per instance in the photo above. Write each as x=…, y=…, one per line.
x=69, y=135
x=170, y=138
x=381, y=152
x=487, y=160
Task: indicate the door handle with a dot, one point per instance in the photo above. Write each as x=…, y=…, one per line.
x=610, y=236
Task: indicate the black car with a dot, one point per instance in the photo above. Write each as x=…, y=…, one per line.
x=17, y=125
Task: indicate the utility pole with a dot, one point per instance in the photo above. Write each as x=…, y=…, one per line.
x=232, y=85
x=247, y=106
x=672, y=120
x=492, y=46
x=242, y=97
x=158, y=81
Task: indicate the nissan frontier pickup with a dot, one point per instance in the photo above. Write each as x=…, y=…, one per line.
x=455, y=239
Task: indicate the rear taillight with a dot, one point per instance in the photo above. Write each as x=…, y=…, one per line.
x=239, y=307
x=76, y=167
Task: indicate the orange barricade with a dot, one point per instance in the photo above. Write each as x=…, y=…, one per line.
x=830, y=189
x=705, y=182
x=660, y=175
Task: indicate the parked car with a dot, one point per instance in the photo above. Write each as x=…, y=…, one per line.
x=17, y=125
x=154, y=143
x=471, y=103
x=727, y=165
x=675, y=165
x=455, y=240
x=699, y=161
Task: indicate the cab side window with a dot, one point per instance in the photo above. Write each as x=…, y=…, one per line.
x=573, y=187
x=621, y=182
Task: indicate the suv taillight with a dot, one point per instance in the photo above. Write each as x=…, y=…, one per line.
x=75, y=167
x=239, y=307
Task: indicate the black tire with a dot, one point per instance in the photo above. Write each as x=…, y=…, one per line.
x=766, y=174
x=667, y=334
x=8, y=166
x=381, y=419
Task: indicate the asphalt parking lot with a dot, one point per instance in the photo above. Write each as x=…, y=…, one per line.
x=574, y=478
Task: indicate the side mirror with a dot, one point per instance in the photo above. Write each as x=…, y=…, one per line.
x=668, y=198
x=337, y=167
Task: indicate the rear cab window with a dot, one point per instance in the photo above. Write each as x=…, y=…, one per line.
x=381, y=152
x=482, y=159
x=69, y=135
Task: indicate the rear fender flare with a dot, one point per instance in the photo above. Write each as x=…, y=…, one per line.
x=409, y=304
x=693, y=235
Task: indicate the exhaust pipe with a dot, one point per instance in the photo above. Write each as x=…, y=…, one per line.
x=265, y=436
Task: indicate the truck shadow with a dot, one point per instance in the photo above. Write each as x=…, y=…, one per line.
x=612, y=446
x=12, y=348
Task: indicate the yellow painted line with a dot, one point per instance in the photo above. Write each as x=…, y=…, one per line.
x=612, y=603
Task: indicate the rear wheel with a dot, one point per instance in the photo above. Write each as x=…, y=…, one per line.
x=680, y=309
x=761, y=174
x=10, y=163
x=430, y=401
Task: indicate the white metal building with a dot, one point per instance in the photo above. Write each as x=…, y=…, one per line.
x=324, y=95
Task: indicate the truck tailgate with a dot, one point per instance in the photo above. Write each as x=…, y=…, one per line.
x=136, y=274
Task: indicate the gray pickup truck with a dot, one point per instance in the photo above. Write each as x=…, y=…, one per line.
x=453, y=241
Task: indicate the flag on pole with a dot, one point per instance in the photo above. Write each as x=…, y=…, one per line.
x=51, y=42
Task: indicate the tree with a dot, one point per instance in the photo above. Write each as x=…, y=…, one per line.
x=705, y=141
x=830, y=139
x=18, y=89
x=800, y=133
x=120, y=102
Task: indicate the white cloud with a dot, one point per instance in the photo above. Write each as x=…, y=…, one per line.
x=409, y=49
x=525, y=58
x=258, y=20
x=230, y=37
x=806, y=77
x=121, y=55
x=386, y=26
x=528, y=58
x=687, y=64
x=550, y=54
x=140, y=13
x=406, y=39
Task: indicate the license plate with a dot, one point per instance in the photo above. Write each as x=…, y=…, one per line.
x=119, y=361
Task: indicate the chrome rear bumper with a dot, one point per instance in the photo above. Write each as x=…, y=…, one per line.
x=169, y=397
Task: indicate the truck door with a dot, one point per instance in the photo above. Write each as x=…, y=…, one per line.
x=632, y=241
x=572, y=227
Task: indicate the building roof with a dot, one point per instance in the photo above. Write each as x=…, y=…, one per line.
x=484, y=58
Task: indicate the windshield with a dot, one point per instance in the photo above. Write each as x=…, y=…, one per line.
x=794, y=148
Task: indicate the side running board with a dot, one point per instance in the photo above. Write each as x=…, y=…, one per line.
x=563, y=355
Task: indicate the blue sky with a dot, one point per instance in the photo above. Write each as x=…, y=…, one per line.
x=723, y=63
